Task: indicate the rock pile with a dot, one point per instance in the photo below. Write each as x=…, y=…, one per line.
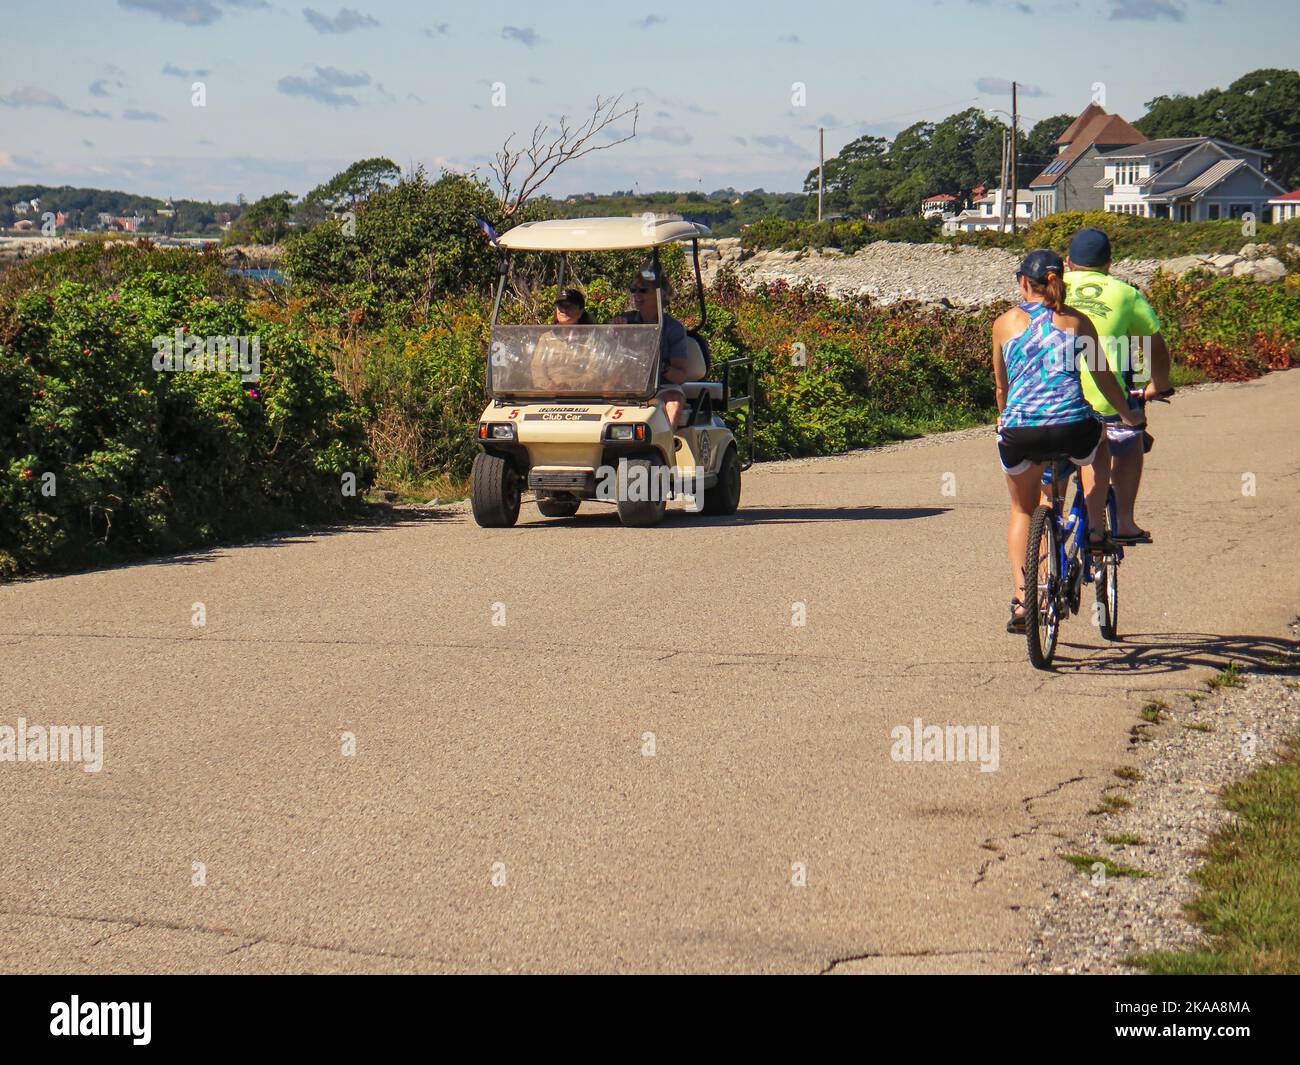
x=945, y=275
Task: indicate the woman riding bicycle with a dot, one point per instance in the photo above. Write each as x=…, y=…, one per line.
x=1042, y=409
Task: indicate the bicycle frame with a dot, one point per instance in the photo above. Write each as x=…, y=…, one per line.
x=1076, y=564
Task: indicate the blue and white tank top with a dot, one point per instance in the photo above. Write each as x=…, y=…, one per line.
x=1043, y=386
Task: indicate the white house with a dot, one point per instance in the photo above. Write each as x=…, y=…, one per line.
x=942, y=205
x=986, y=213
x=1285, y=207
x=1189, y=179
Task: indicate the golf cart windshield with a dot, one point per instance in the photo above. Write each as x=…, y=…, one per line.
x=607, y=361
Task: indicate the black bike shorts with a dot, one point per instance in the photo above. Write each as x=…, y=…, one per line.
x=1022, y=446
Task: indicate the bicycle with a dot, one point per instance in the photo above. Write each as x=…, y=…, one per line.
x=1061, y=561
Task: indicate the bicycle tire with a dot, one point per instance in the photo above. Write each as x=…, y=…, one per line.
x=1042, y=580
x=1108, y=582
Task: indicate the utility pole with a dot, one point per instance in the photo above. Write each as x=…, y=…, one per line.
x=1002, y=185
x=821, y=168
x=1015, y=171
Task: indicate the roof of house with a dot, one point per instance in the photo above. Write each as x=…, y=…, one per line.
x=1287, y=197
x=1072, y=130
x=1101, y=128
x=1165, y=145
x=1022, y=196
x=942, y=197
x=1204, y=182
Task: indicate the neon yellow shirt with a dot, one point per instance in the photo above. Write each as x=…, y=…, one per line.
x=1117, y=310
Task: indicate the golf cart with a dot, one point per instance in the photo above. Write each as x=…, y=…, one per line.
x=572, y=412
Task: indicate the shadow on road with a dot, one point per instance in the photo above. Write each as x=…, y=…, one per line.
x=378, y=517
x=756, y=516
x=1145, y=653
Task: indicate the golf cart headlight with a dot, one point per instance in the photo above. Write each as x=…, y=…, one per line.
x=634, y=431
x=496, y=431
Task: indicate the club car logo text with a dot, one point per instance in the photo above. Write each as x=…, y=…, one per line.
x=562, y=414
x=639, y=483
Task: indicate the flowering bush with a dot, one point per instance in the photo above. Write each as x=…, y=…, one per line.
x=103, y=456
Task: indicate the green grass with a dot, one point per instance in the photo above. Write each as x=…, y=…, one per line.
x=1128, y=772
x=1249, y=897
x=1151, y=713
x=1198, y=726
x=1085, y=862
x=1111, y=804
x=1124, y=839
x=1227, y=678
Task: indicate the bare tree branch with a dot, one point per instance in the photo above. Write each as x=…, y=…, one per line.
x=521, y=172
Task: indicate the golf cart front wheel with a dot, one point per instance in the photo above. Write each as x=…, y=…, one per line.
x=639, y=492
x=494, y=492
x=724, y=497
x=558, y=506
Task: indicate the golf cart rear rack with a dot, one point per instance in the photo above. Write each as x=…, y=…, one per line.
x=745, y=399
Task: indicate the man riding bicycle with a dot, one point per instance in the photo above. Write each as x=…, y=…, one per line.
x=1125, y=323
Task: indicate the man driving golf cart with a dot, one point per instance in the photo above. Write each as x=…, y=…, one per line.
x=681, y=358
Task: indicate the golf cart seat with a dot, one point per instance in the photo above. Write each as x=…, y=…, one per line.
x=697, y=367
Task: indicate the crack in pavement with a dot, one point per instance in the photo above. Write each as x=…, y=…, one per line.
x=1035, y=826
x=177, y=926
x=911, y=954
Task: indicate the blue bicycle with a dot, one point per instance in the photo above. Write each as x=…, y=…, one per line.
x=1059, y=562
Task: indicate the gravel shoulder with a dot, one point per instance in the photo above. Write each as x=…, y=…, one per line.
x=1203, y=741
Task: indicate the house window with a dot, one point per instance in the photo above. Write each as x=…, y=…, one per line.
x=1239, y=209
x=1214, y=212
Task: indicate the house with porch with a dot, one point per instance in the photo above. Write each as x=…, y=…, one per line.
x=1285, y=207
x=941, y=206
x=1188, y=179
x=1069, y=182
x=986, y=213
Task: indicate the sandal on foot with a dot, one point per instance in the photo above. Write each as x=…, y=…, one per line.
x=1139, y=537
x=1016, y=623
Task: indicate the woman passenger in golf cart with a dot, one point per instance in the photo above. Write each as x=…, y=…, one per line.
x=552, y=361
x=675, y=354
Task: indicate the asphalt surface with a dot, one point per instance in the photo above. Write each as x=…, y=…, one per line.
x=520, y=751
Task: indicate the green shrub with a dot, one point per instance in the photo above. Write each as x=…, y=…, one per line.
x=141, y=460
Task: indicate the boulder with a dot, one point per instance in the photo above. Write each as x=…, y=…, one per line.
x=1266, y=269
x=1256, y=251
x=1223, y=264
x=1184, y=264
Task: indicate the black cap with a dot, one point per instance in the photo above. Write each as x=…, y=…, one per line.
x=1090, y=247
x=572, y=295
x=1038, y=264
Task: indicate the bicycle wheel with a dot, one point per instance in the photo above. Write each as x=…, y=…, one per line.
x=1042, y=584
x=1108, y=582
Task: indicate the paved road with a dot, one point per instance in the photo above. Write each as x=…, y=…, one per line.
x=523, y=744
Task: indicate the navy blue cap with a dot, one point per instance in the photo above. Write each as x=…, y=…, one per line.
x=1090, y=247
x=1039, y=263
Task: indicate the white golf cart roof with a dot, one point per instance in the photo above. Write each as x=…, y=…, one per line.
x=600, y=234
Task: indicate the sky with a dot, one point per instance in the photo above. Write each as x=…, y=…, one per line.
x=101, y=93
